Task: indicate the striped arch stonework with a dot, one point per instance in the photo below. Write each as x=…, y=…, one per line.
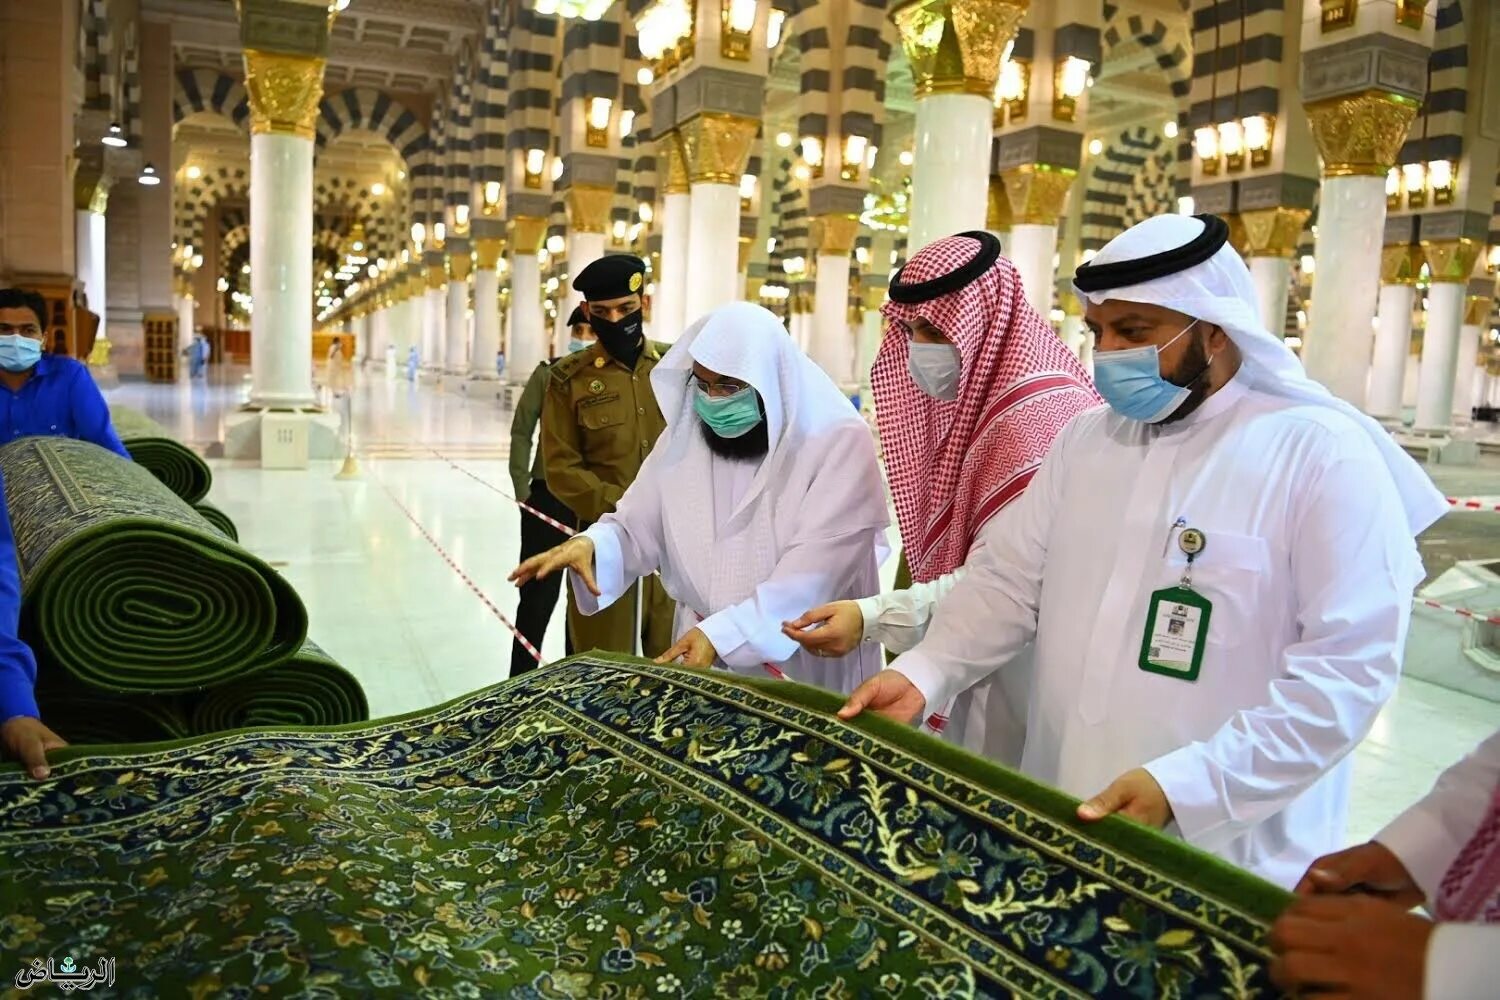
x=1132, y=178
x=378, y=112
x=209, y=90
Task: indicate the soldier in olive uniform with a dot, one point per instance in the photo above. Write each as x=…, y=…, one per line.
x=528, y=477
x=599, y=422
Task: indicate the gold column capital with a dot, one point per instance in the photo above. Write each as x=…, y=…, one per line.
x=1071, y=304
x=834, y=233
x=997, y=216
x=873, y=297
x=415, y=282
x=1237, y=236
x=284, y=92
x=1273, y=232
x=1037, y=192
x=487, y=251
x=716, y=147
x=1400, y=264
x=588, y=207
x=526, y=234
x=437, y=277
x=459, y=266
x=1476, y=308
x=954, y=46
x=91, y=190
x=1450, y=261
x=1361, y=134
x=676, y=174
x=746, y=243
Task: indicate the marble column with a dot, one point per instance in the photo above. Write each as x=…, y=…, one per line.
x=1449, y=264
x=185, y=313
x=716, y=149
x=486, y=309
x=588, y=219
x=954, y=50
x=528, y=327
x=1468, y=373
x=830, y=345
x=379, y=331
x=1399, y=269
x=435, y=312
x=90, y=242
x=1074, y=333
x=670, y=306
x=456, y=321
x=1038, y=195
x=871, y=330
x=281, y=244
x=1271, y=236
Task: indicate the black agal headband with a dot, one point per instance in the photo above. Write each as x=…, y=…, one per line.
x=1122, y=273
x=925, y=291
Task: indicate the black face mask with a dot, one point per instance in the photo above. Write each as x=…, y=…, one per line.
x=623, y=340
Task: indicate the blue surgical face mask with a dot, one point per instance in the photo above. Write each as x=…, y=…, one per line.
x=730, y=416
x=1132, y=383
x=19, y=353
x=575, y=345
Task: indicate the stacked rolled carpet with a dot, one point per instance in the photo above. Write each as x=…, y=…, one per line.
x=218, y=519
x=168, y=459
x=131, y=598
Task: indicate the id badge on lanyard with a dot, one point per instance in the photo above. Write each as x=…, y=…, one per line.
x=1177, y=618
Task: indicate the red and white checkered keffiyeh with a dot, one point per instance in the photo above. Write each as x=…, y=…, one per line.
x=953, y=465
x=1470, y=890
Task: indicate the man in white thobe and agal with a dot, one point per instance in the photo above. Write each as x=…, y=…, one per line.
x=1217, y=569
x=762, y=499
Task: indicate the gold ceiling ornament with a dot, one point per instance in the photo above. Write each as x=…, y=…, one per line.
x=284, y=92
x=459, y=266
x=676, y=173
x=1450, y=261
x=437, y=277
x=487, y=251
x=1037, y=192
x=954, y=46
x=588, y=207
x=997, y=216
x=1400, y=264
x=526, y=234
x=1476, y=308
x=716, y=147
x=835, y=233
x=1360, y=134
x=1273, y=232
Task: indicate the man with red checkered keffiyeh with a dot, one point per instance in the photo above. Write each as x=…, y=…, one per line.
x=971, y=386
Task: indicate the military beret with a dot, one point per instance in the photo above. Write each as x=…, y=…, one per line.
x=577, y=318
x=613, y=276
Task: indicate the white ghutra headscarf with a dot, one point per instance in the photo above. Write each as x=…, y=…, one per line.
x=1219, y=291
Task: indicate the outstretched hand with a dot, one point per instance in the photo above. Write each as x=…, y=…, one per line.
x=694, y=649
x=576, y=554
x=888, y=693
x=832, y=630
x=1134, y=795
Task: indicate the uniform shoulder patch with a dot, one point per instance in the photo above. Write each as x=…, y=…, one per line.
x=563, y=368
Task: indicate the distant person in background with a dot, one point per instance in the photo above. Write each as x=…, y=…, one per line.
x=412, y=361
x=45, y=394
x=499, y=363
x=197, y=354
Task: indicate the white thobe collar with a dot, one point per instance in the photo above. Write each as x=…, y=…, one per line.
x=1209, y=410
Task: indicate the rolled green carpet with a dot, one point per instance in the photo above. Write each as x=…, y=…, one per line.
x=88, y=716
x=218, y=519
x=129, y=589
x=310, y=689
x=168, y=459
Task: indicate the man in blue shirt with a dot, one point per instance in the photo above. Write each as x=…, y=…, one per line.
x=22, y=735
x=45, y=394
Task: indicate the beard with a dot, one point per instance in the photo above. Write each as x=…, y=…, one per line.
x=748, y=447
x=1191, y=372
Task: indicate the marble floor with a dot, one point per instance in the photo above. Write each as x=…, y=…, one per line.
x=403, y=569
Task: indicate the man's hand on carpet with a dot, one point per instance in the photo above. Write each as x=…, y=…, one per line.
x=693, y=649
x=1134, y=795
x=1369, y=868
x=1350, y=946
x=25, y=739
x=576, y=554
x=888, y=693
x=831, y=630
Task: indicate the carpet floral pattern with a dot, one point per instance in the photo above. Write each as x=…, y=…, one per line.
x=605, y=828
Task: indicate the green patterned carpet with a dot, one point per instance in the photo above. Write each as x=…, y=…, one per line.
x=166, y=458
x=130, y=596
x=607, y=828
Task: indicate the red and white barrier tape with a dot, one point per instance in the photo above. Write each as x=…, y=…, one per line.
x=570, y=532
x=1461, y=612
x=525, y=643
x=1473, y=504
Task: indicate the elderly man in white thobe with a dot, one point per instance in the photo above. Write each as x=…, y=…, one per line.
x=763, y=498
x=1217, y=569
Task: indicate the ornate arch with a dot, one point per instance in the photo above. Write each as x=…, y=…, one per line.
x=196, y=90
x=379, y=112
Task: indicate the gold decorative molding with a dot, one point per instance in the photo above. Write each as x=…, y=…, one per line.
x=91, y=190
x=954, y=46
x=1337, y=14
x=1237, y=237
x=526, y=235
x=873, y=297
x=1273, y=232
x=834, y=234
x=676, y=175
x=1450, y=261
x=416, y=282
x=487, y=251
x=459, y=266
x=746, y=245
x=1071, y=304
x=437, y=277
x=716, y=147
x=588, y=207
x=1476, y=308
x=1360, y=134
x=1037, y=192
x=997, y=217
x=284, y=92
x=1400, y=264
